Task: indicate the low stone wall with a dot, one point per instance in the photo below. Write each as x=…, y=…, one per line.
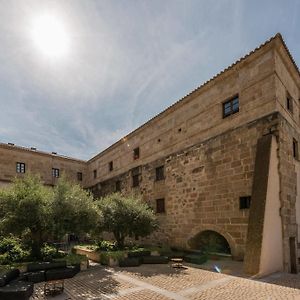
x=90, y=254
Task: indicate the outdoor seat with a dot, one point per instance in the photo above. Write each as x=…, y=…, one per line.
x=155, y=260
x=61, y=273
x=12, y=288
x=130, y=262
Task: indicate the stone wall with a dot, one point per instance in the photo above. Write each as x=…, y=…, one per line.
x=37, y=162
x=202, y=186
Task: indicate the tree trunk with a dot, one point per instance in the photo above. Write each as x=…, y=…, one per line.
x=120, y=238
x=36, y=245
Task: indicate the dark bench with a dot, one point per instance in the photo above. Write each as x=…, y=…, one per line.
x=12, y=287
x=45, y=271
x=16, y=286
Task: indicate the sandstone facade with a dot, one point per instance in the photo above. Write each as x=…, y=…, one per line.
x=206, y=163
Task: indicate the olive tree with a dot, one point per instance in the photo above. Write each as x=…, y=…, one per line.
x=74, y=210
x=41, y=213
x=126, y=216
x=26, y=208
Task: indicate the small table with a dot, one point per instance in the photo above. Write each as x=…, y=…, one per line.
x=177, y=262
x=54, y=287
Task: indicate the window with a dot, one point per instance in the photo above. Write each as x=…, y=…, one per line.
x=55, y=172
x=20, y=167
x=118, y=186
x=159, y=172
x=79, y=176
x=136, y=153
x=289, y=103
x=95, y=174
x=295, y=149
x=245, y=202
x=231, y=107
x=135, y=180
x=160, y=206
x=110, y=166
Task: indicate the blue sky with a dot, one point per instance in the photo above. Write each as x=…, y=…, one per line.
x=128, y=60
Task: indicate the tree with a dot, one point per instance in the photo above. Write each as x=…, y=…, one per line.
x=41, y=213
x=126, y=216
x=26, y=209
x=74, y=210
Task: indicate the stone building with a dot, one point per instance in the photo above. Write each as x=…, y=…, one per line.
x=222, y=160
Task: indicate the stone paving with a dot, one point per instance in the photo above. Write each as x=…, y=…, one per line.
x=162, y=282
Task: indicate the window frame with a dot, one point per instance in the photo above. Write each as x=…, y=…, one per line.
x=295, y=149
x=79, y=176
x=289, y=103
x=110, y=166
x=118, y=186
x=135, y=180
x=160, y=175
x=136, y=153
x=20, y=167
x=55, y=172
x=230, y=101
x=160, y=206
x=95, y=173
x=244, y=202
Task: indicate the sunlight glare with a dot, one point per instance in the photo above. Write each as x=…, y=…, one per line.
x=49, y=35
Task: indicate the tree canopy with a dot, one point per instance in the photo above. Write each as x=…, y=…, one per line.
x=28, y=208
x=126, y=216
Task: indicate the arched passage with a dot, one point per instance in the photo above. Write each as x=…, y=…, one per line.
x=210, y=241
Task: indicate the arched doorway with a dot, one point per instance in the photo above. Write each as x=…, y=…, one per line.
x=210, y=241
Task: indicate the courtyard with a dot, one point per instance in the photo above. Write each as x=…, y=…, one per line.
x=163, y=282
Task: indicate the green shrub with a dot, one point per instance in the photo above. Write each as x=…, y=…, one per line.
x=74, y=259
x=11, y=250
x=116, y=255
x=107, y=246
x=50, y=252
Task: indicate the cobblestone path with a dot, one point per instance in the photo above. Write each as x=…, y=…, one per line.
x=162, y=282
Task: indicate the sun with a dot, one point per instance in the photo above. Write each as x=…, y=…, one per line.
x=50, y=36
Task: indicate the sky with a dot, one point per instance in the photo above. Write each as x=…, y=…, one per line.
x=125, y=62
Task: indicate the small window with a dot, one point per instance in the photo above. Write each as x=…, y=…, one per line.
x=136, y=153
x=231, y=107
x=95, y=174
x=289, y=103
x=55, y=172
x=79, y=176
x=159, y=172
x=20, y=167
x=295, y=149
x=111, y=166
x=245, y=202
x=160, y=206
x=118, y=186
x=135, y=180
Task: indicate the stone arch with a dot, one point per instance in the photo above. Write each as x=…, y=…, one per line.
x=196, y=232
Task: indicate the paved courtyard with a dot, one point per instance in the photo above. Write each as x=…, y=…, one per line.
x=162, y=282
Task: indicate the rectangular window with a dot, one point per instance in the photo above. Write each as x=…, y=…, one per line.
x=110, y=166
x=295, y=149
x=79, y=176
x=289, y=103
x=55, y=172
x=245, y=202
x=118, y=186
x=95, y=174
x=159, y=173
x=20, y=167
x=160, y=206
x=136, y=153
x=231, y=107
x=135, y=180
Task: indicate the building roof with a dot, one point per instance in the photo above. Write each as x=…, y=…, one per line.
x=34, y=150
x=184, y=98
